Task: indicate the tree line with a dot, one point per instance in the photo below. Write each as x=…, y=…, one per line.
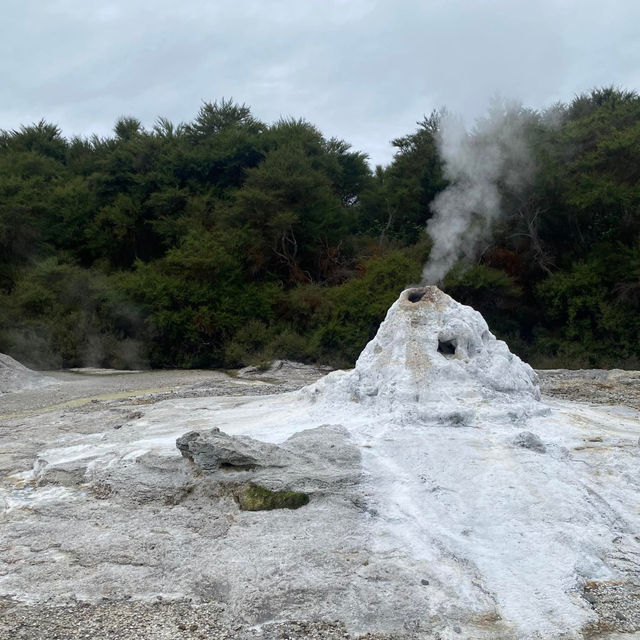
x=227, y=241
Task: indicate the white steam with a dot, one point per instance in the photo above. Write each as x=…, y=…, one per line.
x=478, y=165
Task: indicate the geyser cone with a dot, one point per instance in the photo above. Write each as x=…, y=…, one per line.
x=431, y=349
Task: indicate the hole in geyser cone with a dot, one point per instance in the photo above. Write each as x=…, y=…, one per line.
x=415, y=295
x=447, y=348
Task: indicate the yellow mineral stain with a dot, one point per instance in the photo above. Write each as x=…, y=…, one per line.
x=79, y=402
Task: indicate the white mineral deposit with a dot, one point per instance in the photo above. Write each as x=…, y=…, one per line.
x=445, y=497
x=16, y=377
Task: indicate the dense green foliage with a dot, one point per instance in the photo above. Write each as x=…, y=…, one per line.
x=227, y=241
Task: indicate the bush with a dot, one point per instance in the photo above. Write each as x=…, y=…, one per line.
x=356, y=308
x=60, y=315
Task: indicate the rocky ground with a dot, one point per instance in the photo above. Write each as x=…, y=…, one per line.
x=88, y=401
x=113, y=398
x=154, y=621
x=596, y=386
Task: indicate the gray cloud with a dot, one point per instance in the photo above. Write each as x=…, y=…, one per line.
x=363, y=70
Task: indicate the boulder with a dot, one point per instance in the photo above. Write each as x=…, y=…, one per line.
x=213, y=449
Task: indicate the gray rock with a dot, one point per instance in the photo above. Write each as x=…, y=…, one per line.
x=528, y=440
x=283, y=370
x=319, y=460
x=215, y=449
x=71, y=473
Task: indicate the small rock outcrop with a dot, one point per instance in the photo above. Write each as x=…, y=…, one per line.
x=261, y=476
x=528, y=440
x=213, y=449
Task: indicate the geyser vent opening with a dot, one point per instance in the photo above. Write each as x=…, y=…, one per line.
x=447, y=348
x=415, y=295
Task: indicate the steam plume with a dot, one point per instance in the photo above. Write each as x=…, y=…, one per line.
x=495, y=155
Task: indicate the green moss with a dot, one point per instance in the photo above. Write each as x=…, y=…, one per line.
x=252, y=497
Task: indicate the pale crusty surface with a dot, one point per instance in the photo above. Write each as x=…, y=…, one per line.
x=29, y=412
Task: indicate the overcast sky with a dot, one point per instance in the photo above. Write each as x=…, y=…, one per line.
x=361, y=70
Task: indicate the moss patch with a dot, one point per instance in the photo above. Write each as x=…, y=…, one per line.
x=253, y=497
